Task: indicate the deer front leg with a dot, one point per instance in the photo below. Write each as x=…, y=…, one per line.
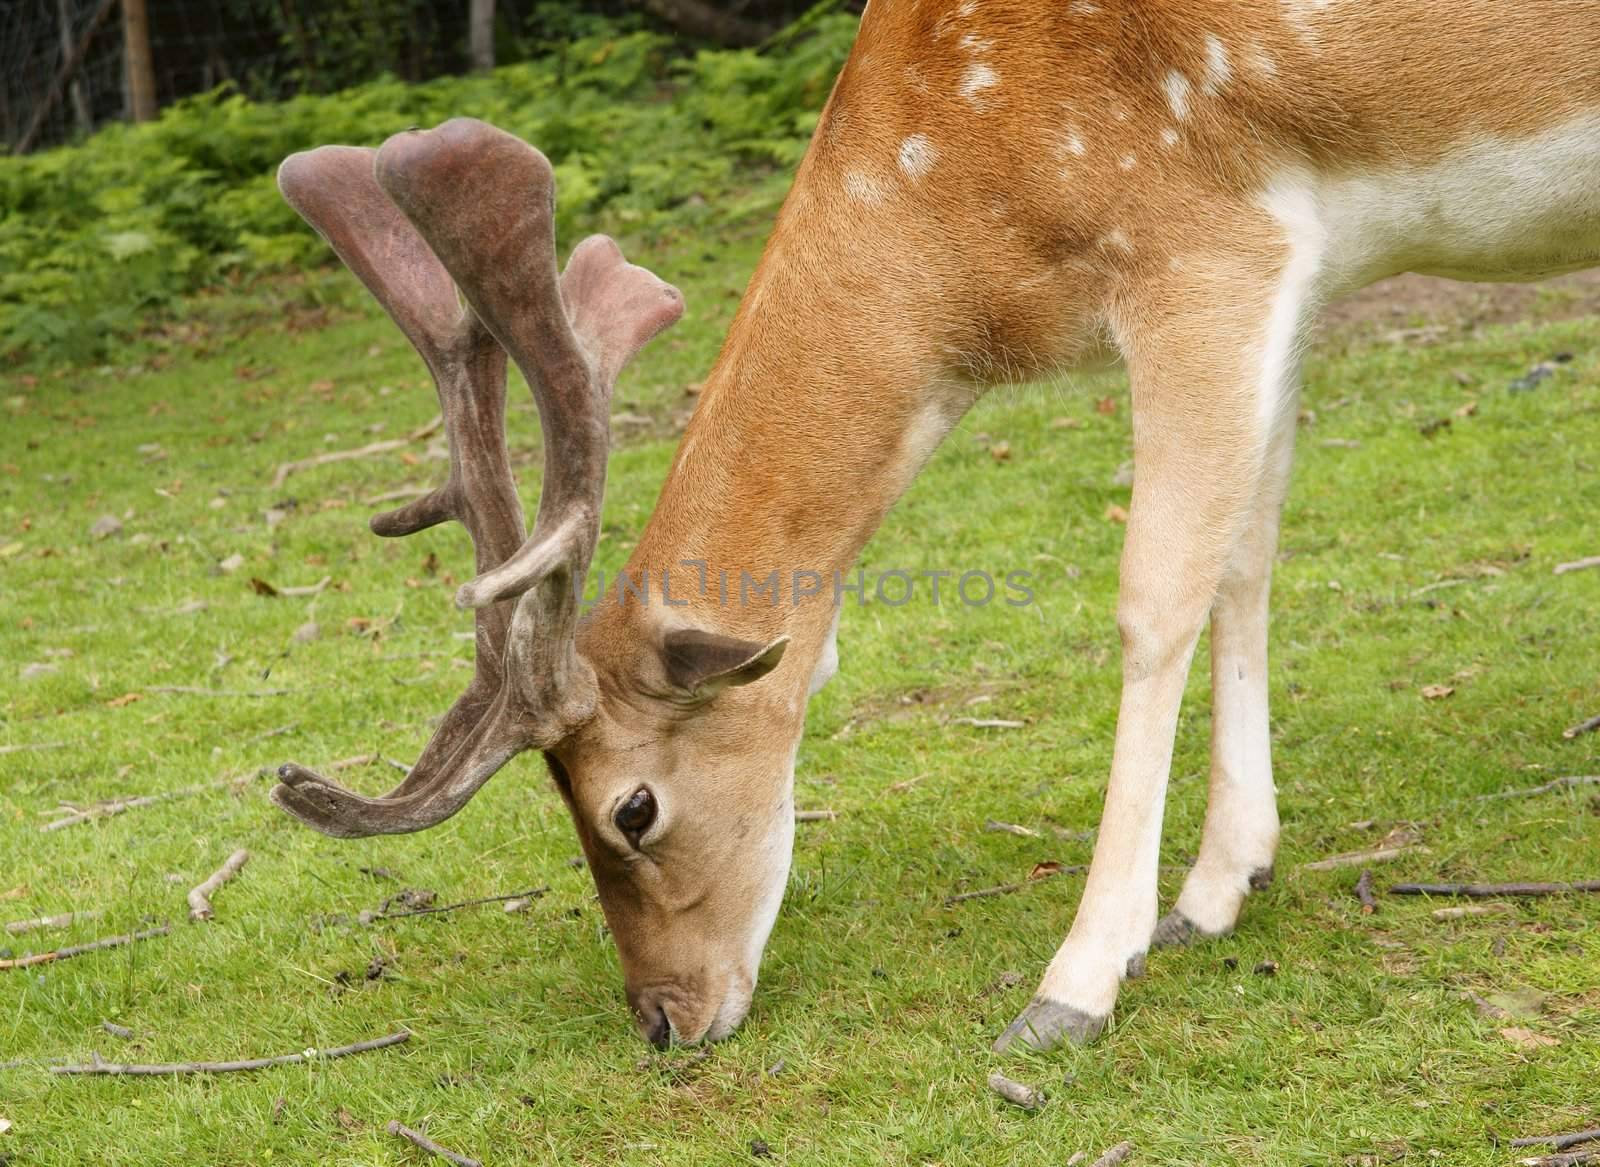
x=1240, y=837
x=1208, y=385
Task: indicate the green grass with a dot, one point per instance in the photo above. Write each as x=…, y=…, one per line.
x=879, y=1000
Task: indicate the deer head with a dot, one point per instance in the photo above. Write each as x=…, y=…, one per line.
x=688, y=843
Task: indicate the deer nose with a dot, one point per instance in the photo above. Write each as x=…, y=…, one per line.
x=654, y=1023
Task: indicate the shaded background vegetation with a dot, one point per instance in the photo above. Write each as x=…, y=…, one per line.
x=650, y=130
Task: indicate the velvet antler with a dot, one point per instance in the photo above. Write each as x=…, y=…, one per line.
x=470, y=207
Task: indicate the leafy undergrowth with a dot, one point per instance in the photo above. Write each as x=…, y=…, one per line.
x=99, y=238
x=1410, y=560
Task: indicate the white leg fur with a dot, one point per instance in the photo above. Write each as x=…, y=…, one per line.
x=1195, y=529
x=1240, y=837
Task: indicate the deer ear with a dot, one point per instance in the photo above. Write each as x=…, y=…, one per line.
x=705, y=663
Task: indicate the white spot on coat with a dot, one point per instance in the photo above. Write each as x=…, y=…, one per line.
x=1118, y=239
x=1073, y=143
x=1169, y=137
x=1083, y=8
x=975, y=80
x=1217, y=68
x=1177, y=87
x=1128, y=161
x=976, y=44
x=1261, y=62
x=917, y=155
x=863, y=188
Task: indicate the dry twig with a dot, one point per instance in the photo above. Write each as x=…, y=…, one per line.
x=1114, y=1156
x=1571, y=1159
x=21, y=746
x=371, y=449
x=395, y=1127
x=96, y=1066
x=80, y=949
x=1559, y=1142
x=1369, y=902
x=1017, y=829
x=200, y=691
x=1470, y=910
x=815, y=816
x=1008, y=888
x=200, y=897
x=1484, y=891
x=1546, y=787
x=1577, y=565
x=368, y=917
x=116, y=1030
x=1014, y=1092
x=1358, y=858
x=114, y=806
x=64, y=920
x=1583, y=727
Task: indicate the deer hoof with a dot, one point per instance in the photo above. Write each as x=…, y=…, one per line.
x=1045, y=1024
x=1175, y=930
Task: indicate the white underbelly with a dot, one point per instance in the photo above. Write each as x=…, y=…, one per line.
x=1495, y=209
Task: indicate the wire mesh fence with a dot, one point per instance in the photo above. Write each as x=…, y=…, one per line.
x=64, y=63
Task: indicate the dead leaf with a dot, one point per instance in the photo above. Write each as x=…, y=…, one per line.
x=231, y=564
x=1437, y=692
x=1047, y=868
x=20, y=892
x=5, y=1125
x=261, y=587
x=1527, y=1038
x=125, y=699
x=307, y=632
x=1106, y=406
x=1066, y=423
x=346, y=1119
x=105, y=526
x=1000, y=451
x=1467, y=410
x=1117, y=513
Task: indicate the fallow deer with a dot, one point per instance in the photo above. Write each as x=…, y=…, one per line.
x=997, y=190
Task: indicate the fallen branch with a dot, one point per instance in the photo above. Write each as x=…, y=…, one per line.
x=1014, y=1092
x=815, y=816
x=1369, y=902
x=1114, y=1156
x=1544, y=788
x=19, y=748
x=96, y=1066
x=1577, y=565
x=1582, y=728
x=368, y=917
x=80, y=949
x=1559, y=1142
x=1484, y=891
x=1359, y=858
x=200, y=897
x=1008, y=888
x=395, y=1127
x=64, y=920
x=116, y=1030
x=115, y=806
x=370, y=450
x=988, y=722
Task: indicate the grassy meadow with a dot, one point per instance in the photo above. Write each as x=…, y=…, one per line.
x=1430, y=507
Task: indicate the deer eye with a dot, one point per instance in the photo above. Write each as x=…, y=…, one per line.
x=633, y=817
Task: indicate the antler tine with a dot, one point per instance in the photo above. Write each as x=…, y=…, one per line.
x=334, y=190
x=570, y=337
